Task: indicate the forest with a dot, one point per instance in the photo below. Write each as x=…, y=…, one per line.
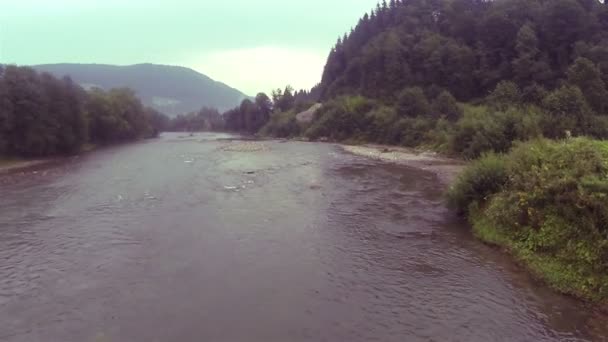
x=41, y=115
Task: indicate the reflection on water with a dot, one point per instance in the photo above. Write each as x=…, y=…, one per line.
x=180, y=239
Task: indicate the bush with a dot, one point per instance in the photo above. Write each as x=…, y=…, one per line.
x=341, y=119
x=282, y=125
x=412, y=132
x=381, y=123
x=484, y=177
x=440, y=136
x=482, y=129
x=545, y=201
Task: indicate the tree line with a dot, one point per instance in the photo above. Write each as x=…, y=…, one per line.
x=249, y=117
x=42, y=115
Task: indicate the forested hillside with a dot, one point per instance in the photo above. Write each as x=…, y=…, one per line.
x=463, y=77
x=41, y=115
x=466, y=47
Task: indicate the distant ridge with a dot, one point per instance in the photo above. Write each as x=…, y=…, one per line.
x=170, y=89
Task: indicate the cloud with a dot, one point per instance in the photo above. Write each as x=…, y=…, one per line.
x=252, y=70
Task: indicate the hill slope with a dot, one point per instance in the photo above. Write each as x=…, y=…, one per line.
x=465, y=46
x=169, y=89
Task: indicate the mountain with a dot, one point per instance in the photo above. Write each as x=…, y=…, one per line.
x=170, y=89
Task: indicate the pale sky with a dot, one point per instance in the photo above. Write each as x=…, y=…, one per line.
x=250, y=45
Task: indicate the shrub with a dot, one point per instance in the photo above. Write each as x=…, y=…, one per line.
x=341, y=119
x=546, y=201
x=483, y=129
x=381, y=123
x=413, y=131
x=439, y=137
x=477, y=132
x=484, y=177
x=282, y=125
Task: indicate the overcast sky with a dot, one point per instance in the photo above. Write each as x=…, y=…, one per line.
x=253, y=45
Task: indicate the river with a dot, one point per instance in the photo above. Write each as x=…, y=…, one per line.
x=183, y=239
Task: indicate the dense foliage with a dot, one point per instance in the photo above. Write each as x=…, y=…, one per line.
x=545, y=201
x=41, y=115
x=467, y=47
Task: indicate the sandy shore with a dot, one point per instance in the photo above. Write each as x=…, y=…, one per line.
x=446, y=169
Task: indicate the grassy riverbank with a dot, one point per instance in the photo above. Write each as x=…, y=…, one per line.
x=546, y=203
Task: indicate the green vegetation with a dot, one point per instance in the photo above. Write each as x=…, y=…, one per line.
x=547, y=203
x=206, y=119
x=41, y=115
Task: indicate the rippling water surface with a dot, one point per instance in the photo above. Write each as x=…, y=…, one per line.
x=178, y=239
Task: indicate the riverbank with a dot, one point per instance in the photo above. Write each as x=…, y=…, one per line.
x=19, y=165
x=10, y=166
x=545, y=204
x=544, y=268
x=446, y=169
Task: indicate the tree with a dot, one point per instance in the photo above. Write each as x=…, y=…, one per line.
x=445, y=105
x=564, y=23
x=568, y=112
x=30, y=137
x=412, y=103
x=529, y=66
x=586, y=75
x=506, y=94
x=283, y=100
x=264, y=104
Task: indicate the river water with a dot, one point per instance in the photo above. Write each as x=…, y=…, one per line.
x=181, y=239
